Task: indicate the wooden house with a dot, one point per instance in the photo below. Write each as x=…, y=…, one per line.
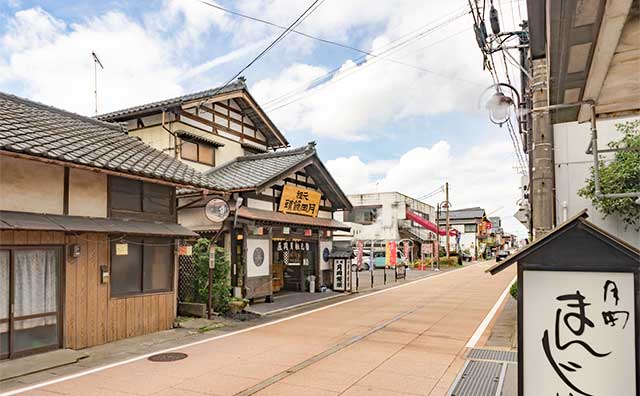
x=280, y=230
x=88, y=230
x=204, y=129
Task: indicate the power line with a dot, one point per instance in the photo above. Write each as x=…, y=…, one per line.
x=309, y=36
x=275, y=42
x=358, y=67
x=390, y=47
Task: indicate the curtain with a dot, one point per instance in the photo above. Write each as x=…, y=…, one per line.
x=4, y=289
x=36, y=283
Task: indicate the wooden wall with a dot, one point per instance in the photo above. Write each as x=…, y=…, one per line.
x=90, y=316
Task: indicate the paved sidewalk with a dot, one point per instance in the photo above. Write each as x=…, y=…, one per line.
x=401, y=341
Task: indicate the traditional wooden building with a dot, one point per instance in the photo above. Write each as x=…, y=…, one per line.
x=280, y=230
x=87, y=230
x=204, y=129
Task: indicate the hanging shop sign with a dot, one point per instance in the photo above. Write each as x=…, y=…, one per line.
x=405, y=249
x=292, y=246
x=122, y=249
x=427, y=248
x=390, y=258
x=297, y=200
x=185, y=250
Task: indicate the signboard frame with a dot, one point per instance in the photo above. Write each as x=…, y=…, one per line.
x=562, y=269
x=294, y=199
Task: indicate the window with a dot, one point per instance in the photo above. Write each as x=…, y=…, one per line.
x=470, y=228
x=146, y=267
x=127, y=196
x=362, y=215
x=198, y=152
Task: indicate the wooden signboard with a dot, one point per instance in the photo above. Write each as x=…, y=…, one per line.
x=297, y=200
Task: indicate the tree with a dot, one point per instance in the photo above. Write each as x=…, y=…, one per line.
x=221, y=290
x=619, y=176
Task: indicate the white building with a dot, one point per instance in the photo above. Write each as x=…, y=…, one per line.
x=573, y=167
x=382, y=217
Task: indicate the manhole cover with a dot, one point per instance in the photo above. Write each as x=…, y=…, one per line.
x=168, y=357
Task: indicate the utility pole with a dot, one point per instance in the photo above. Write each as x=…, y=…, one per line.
x=437, y=247
x=542, y=189
x=446, y=192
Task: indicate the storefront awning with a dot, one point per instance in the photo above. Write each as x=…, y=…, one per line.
x=47, y=222
x=267, y=216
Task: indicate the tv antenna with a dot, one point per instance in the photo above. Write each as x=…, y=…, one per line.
x=96, y=62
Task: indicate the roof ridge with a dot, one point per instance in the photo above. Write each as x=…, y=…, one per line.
x=193, y=95
x=276, y=154
x=53, y=109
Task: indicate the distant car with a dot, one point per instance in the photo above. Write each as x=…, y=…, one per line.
x=379, y=259
x=502, y=254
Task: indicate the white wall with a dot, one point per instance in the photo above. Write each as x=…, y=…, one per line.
x=572, y=168
x=31, y=186
x=87, y=193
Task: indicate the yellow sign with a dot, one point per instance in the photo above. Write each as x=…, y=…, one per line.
x=122, y=249
x=298, y=200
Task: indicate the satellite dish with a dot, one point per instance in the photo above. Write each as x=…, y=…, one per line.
x=217, y=210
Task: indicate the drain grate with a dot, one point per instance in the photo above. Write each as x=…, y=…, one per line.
x=493, y=355
x=479, y=378
x=168, y=357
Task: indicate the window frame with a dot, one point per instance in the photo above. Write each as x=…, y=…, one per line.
x=170, y=216
x=198, y=159
x=141, y=290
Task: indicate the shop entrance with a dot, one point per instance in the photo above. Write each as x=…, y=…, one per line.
x=294, y=263
x=29, y=301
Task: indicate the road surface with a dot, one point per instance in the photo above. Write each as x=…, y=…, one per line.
x=407, y=340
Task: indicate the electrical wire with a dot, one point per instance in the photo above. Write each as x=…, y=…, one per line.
x=391, y=47
x=313, y=86
x=275, y=42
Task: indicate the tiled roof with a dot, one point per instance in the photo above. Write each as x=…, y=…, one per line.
x=467, y=213
x=35, y=129
x=251, y=171
x=234, y=86
x=268, y=216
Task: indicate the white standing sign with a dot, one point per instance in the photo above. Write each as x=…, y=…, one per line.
x=578, y=334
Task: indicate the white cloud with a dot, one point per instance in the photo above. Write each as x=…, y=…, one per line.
x=445, y=74
x=481, y=176
x=32, y=27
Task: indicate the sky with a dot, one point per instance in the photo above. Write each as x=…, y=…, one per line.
x=408, y=117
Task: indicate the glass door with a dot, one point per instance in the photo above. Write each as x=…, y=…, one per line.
x=5, y=262
x=31, y=279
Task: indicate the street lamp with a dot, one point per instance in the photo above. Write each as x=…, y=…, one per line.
x=499, y=105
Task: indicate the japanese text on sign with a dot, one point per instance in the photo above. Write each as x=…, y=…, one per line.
x=298, y=200
x=579, y=336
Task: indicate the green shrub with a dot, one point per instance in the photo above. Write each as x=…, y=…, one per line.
x=514, y=290
x=452, y=261
x=221, y=290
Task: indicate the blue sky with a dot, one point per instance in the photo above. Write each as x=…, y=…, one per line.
x=378, y=124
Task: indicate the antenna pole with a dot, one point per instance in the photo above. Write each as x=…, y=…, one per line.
x=95, y=83
x=96, y=62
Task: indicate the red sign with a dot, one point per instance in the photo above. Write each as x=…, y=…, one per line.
x=391, y=253
x=359, y=255
x=427, y=248
x=308, y=232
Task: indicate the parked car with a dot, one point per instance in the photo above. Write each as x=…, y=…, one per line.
x=501, y=255
x=379, y=259
x=366, y=259
x=466, y=257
